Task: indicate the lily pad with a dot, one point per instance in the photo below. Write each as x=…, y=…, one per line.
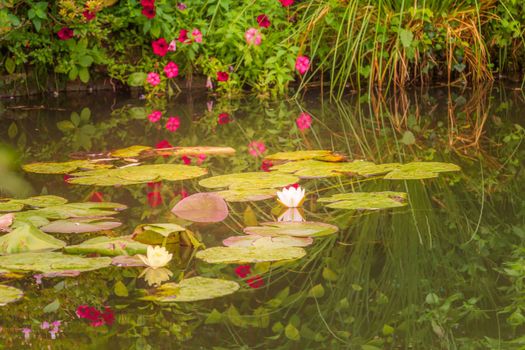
x=421, y=170
x=27, y=238
x=250, y=180
x=268, y=241
x=193, y=289
x=366, y=200
x=127, y=261
x=51, y=262
x=81, y=225
x=195, y=151
x=9, y=294
x=42, y=201
x=239, y=255
x=292, y=228
x=202, y=207
x=157, y=233
x=73, y=210
x=108, y=246
x=11, y=206
x=313, y=169
x=129, y=152
x=137, y=174
x=247, y=195
x=62, y=167
x=300, y=155
x=6, y=221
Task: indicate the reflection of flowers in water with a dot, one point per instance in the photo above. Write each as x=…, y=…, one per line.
x=155, y=277
x=255, y=282
x=243, y=270
x=97, y=318
x=291, y=196
x=291, y=214
x=156, y=257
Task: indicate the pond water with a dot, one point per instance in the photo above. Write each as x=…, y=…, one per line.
x=444, y=271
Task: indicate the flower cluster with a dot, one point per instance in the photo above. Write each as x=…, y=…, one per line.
x=53, y=327
x=304, y=121
x=148, y=8
x=96, y=317
x=243, y=271
x=256, y=148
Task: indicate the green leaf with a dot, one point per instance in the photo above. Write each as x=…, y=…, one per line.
x=365, y=200
x=85, y=61
x=65, y=126
x=27, y=238
x=214, y=317
x=137, y=79
x=408, y=138
x=51, y=262
x=83, y=74
x=316, y=291
x=10, y=65
x=52, y=307
x=406, y=37
x=301, y=155
x=108, y=246
x=268, y=242
x=330, y=275
x=249, y=180
x=12, y=131
x=387, y=330
x=9, y=294
x=120, y=289
x=236, y=255
x=291, y=332
x=193, y=289
x=73, y=73
x=291, y=228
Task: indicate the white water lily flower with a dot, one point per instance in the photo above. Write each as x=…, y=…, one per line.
x=157, y=257
x=291, y=197
x=155, y=277
x=291, y=214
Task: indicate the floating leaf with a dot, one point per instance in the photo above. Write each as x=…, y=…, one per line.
x=268, y=241
x=157, y=233
x=421, y=170
x=27, y=238
x=137, y=174
x=72, y=210
x=108, y=246
x=42, y=201
x=81, y=225
x=247, y=195
x=193, y=289
x=238, y=255
x=6, y=221
x=301, y=155
x=366, y=200
x=51, y=262
x=292, y=228
x=194, y=151
x=61, y=168
x=255, y=180
x=9, y=294
x=127, y=261
x=129, y=152
x=312, y=169
x=11, y=206
x=202, y=207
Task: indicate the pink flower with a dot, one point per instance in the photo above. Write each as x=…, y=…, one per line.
x=243, y=270
x=201, y=158
x=266, y=165
x=253, y=37
x=172, y=46
x=171, y=70
x=147, y=3
x=302, y=64
x=155, y=116
x=223, y=118
x=186, y=160
x=182, y=6
x=153, y=79
x=304, y=121
x=149, y=11
x=183, y=36
x=209, y=84
x=154, y=199
x=197, y=35
x=160, y=47
x=27, y=333
x=65, y=33
x=183, y=193
x=256, y=148
x=173, y=124
x=286, y=3
x=255, y=282
x=263, y=21
x=222, y=76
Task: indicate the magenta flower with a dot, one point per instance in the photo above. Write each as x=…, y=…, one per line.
x=173, y=124
x=263, y=21
x=302, y=64
x=243, y=270
x=186, y=160
x=45, y=325
x=255, y=282
x=160, y=47
x=182, y=6
x=223, y=118
x=147, y=2
x=304, y=121
x=183, y=36
x=89, y=15
x=201, y=158
x=253, y=37
x=65, y=33
x=222, y=76
x=172, y=46
x=286, y=3
x=154, y=199
x=27, y=333
x=197, y=35
x=171, y=70
x=149, y=11
x=155, y=116
x=256, y=148
x=153, y=79
x=266, y=165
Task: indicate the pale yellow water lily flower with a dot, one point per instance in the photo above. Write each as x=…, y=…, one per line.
x=156, y=257
x=291, y=197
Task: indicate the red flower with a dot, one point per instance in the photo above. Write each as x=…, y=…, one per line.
x=183, y=193
x=65, y=33
x=224, y=118
x=160, y=47
x=255, y=282
x=186, y=160
x=97, y=197
x=243, y=270
x=154, y=199
x=263, y=21
x=88, y=15
x=222, y=76
x=149, y=11
x=108, y=316
x=145, y=3
x=295, y=185
x=183, y=36
x=266, y=165
x=163, y=144
x=155, y=185
x=286, y=3
x=66, y=178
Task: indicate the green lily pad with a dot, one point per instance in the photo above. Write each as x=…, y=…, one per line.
x=156, y=233
x=73, y=210
x=81, y=225
x=421, y=170
x=366, y=200
x=202, y=207
x=247, y=195
x=11, y=206
x=240, y=255
x=51, y=262
x=313, y=169
x=195, y=151
x=129, y=152
x=137, y=174
x=9, y=294
x=255, y=180
x=300, y=155
x=62, y=167
x=292, y=228
x=27, y=238
x=267, y=241
x=193, y=289
x=42, y=201
x=108, y=246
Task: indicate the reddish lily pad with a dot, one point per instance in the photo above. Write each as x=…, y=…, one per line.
x=202, y=207
x=81, y=225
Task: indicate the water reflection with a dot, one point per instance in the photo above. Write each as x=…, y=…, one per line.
x=156, y=276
